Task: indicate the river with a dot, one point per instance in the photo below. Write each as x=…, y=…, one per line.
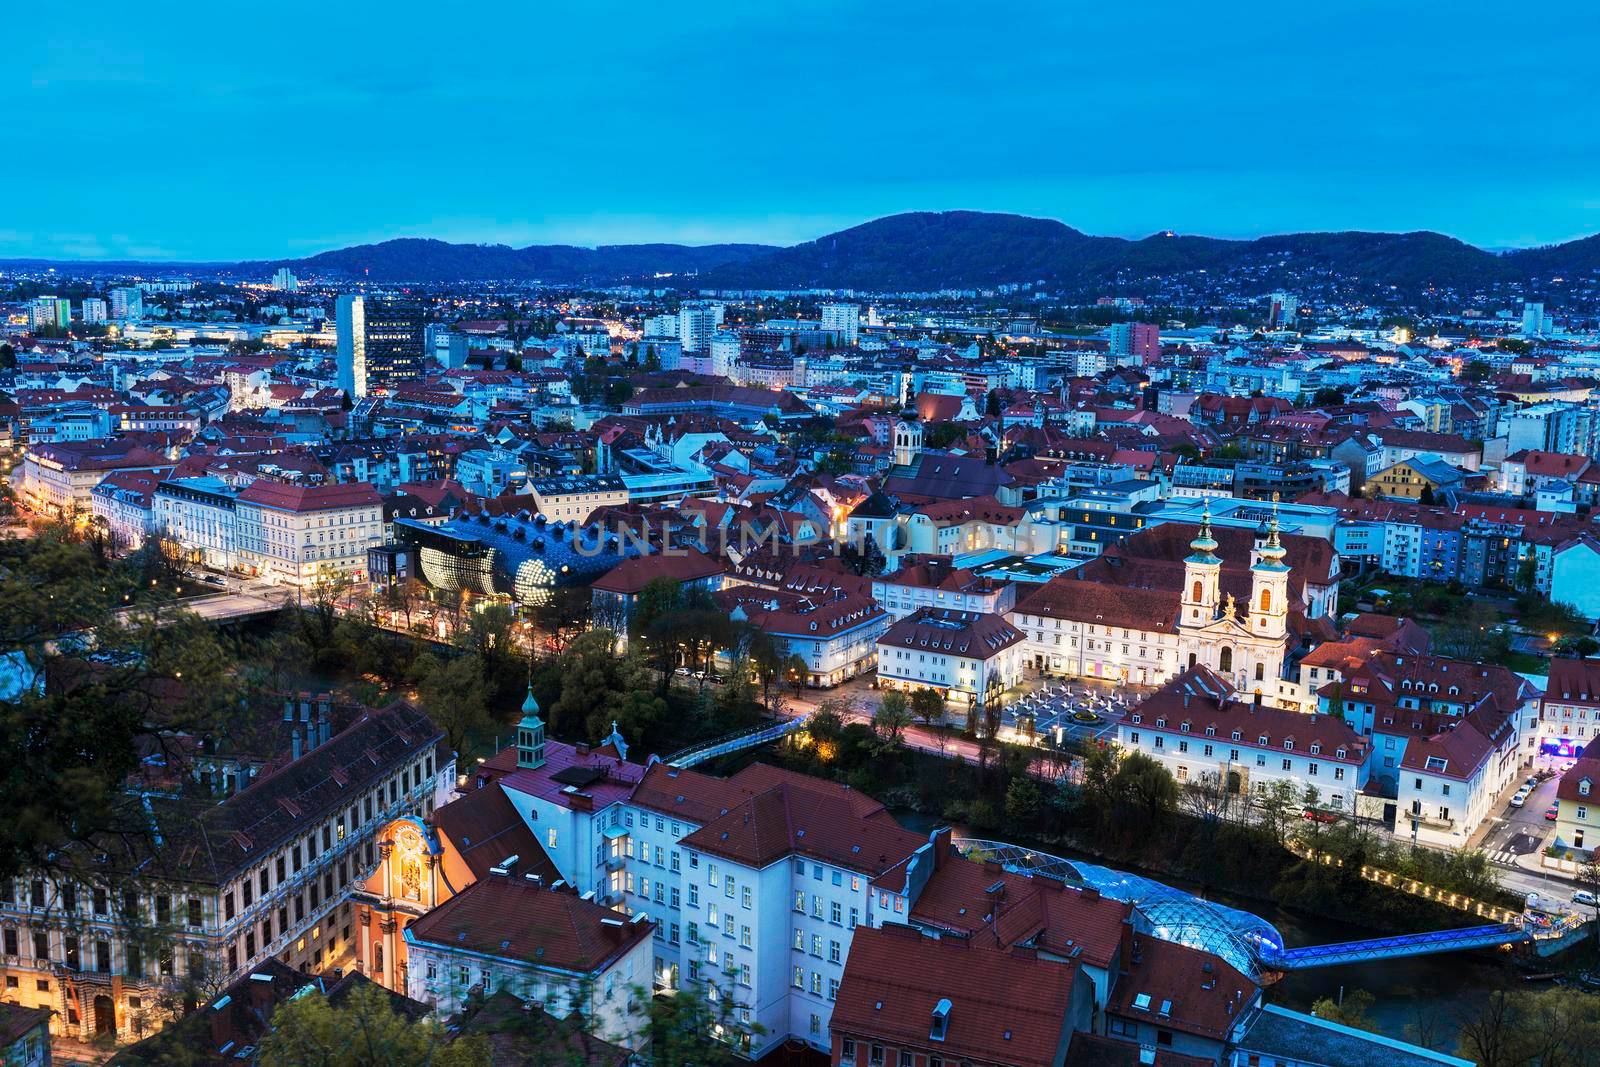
x=1430, y=989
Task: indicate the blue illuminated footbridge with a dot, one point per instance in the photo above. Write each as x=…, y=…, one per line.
x=1246, y=941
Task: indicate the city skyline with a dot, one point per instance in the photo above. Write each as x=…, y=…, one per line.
x=717, y=127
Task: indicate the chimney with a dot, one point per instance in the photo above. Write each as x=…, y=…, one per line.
x=941, y=845
x=1091, y=893
x=261, y=999
x=222, y=1022
x=1127, y=946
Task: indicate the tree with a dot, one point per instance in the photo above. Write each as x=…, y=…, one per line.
x=686, y=1029
x=1351, y=1011
x=766, y=660
x=364, y=1031
x=455, y=696
x=1426, y=498
x=1023, y=800
x=891, y=718
x=927, y=705
x=1476, y=370
x=795, y=672
x=77, y=728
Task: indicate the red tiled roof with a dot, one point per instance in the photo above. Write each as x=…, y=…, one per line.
x=510, y=917
x=681, y=565
x=808, y=818
x=486, y=829
x=1188, y=990
x=974, y=634
x=984, y=900
x=287, y=497
x=1573, y=681
x=1005, y=1007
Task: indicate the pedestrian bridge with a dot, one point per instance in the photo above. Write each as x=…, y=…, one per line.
x=735, y=742
x=1248, y=942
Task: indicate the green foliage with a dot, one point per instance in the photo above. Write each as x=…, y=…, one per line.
x=927, y=704
x=1351, y=1012
x=891, y=718
x=455, y=696
x=364, y=1031
x=95, y=690
x=1514, y=1029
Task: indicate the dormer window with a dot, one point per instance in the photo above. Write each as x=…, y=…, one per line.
x=1583, y=787
x=941, y=1020
x=1288, y=746
x=1161, y=722
x=1316, y=749
x=1184, y=727
x=1211, y=731
x=1339, y=753
x=1262, y=740
x=1236, y=735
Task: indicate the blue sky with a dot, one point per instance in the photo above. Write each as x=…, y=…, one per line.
x=226, y=131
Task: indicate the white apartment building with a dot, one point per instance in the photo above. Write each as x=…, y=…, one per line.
x=843, y=320
x=1193, y=725
x=198, y=513
x=934, y=583
x=294, y=534
x=697, y=322
x=94, y=310
x=754, y=883
x=967, y=657
x=835, y=632
x=511, y=932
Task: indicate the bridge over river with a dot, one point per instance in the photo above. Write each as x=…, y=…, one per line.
x=1246, y=941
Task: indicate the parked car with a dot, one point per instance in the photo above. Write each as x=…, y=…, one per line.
x=1531, y=782
x=1584, y=897
x=1320, y=816
x=1550, y=813
x=213, y=579
x=1520, y=799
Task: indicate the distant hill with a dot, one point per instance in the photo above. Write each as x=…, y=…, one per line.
x=928, y=250
x=414, y=259
x=951, y=249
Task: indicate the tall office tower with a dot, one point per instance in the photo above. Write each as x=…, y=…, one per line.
x=284, y=280
x=94, y=310
x=1284, y=310
x=127, y=304
x=1135, y=343
x=697, y=321
x=380, y=342
x=1532, y=319
x=843, y=320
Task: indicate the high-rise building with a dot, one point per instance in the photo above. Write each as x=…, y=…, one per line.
x=284, y=280
x=1284, y=310
x=844, y=320
x=1532, y=319
x=50, y=311
x=380, y=342
x=697, y=321
x=127, y=304
x=94, y=310
x=1135, y=343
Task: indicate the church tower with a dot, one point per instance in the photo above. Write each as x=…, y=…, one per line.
x=530, y=734
x=907, y=440
x=1269, y=588
x=1202, y=576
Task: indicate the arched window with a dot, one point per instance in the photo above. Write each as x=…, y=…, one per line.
x=1196, y=596
x=1191, y=659
x=1226, y=662
x=1266, y=600
x=1261, y=671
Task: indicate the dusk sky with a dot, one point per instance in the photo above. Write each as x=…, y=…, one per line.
x=165, y=131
